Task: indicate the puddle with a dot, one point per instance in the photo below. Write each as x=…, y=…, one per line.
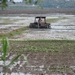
x=59, y=29
x=29, y=74
x=16, y=73
x=57, y=32
x=63, y=27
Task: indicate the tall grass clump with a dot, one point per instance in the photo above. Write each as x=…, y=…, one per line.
x=5, y=47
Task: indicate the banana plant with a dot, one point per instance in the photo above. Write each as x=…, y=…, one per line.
x=5, y=44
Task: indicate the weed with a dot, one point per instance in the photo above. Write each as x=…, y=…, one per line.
x=5, y=45
x=52, y=20
x=56, y=19
x=12, y=33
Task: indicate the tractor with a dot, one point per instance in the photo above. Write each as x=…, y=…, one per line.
x=40, y=22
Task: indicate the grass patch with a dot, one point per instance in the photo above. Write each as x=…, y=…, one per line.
x=55, y=55
x=8, y=20
x=52, y=46
x=55, y=19
x=14, y=32
x=52, y=20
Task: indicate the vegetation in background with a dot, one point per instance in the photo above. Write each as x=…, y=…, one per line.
x=4, y=4
x=58, y=3
x=44, y=3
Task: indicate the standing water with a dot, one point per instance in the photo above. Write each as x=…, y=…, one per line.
x=62, y=29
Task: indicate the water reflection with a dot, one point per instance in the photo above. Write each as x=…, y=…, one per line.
x=63, y=27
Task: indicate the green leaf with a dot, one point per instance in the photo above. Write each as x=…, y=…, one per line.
x=10, y=0
x=4, y=47
x=40, y=0
x=2, y=58
x=36, y=2
x=29, y=1
x=39, y=6
x=13, y=2
x=14, y=60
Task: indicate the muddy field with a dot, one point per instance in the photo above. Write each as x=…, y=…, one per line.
x=41, y=58
x=49, y=58
x=36, y=11
x=62, y=28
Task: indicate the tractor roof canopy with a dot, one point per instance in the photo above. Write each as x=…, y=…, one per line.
x=40, y=17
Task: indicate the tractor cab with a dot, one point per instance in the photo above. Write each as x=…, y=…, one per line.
x=39, y=19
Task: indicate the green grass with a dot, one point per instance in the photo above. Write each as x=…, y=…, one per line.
x=0, y=18
x=12, y=33
x=6, y=21
x=52, y=46
x=9, y=21
x=3, y=57
x=58, y=54
x=52, y=20
x=55, y=19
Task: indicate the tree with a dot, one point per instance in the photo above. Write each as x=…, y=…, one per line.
x=3, y=3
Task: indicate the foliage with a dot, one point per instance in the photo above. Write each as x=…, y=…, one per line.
x=5, y=45
x=51, y=46
x=55, y=19
x=14, y=32
x=58, y=3
x=44, y=3
x=3, y=3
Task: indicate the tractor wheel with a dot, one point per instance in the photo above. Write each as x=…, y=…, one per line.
x=31, y=25
x=48, y=26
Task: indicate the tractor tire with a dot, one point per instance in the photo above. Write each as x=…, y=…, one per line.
x=31, y=25
x=48, y=26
